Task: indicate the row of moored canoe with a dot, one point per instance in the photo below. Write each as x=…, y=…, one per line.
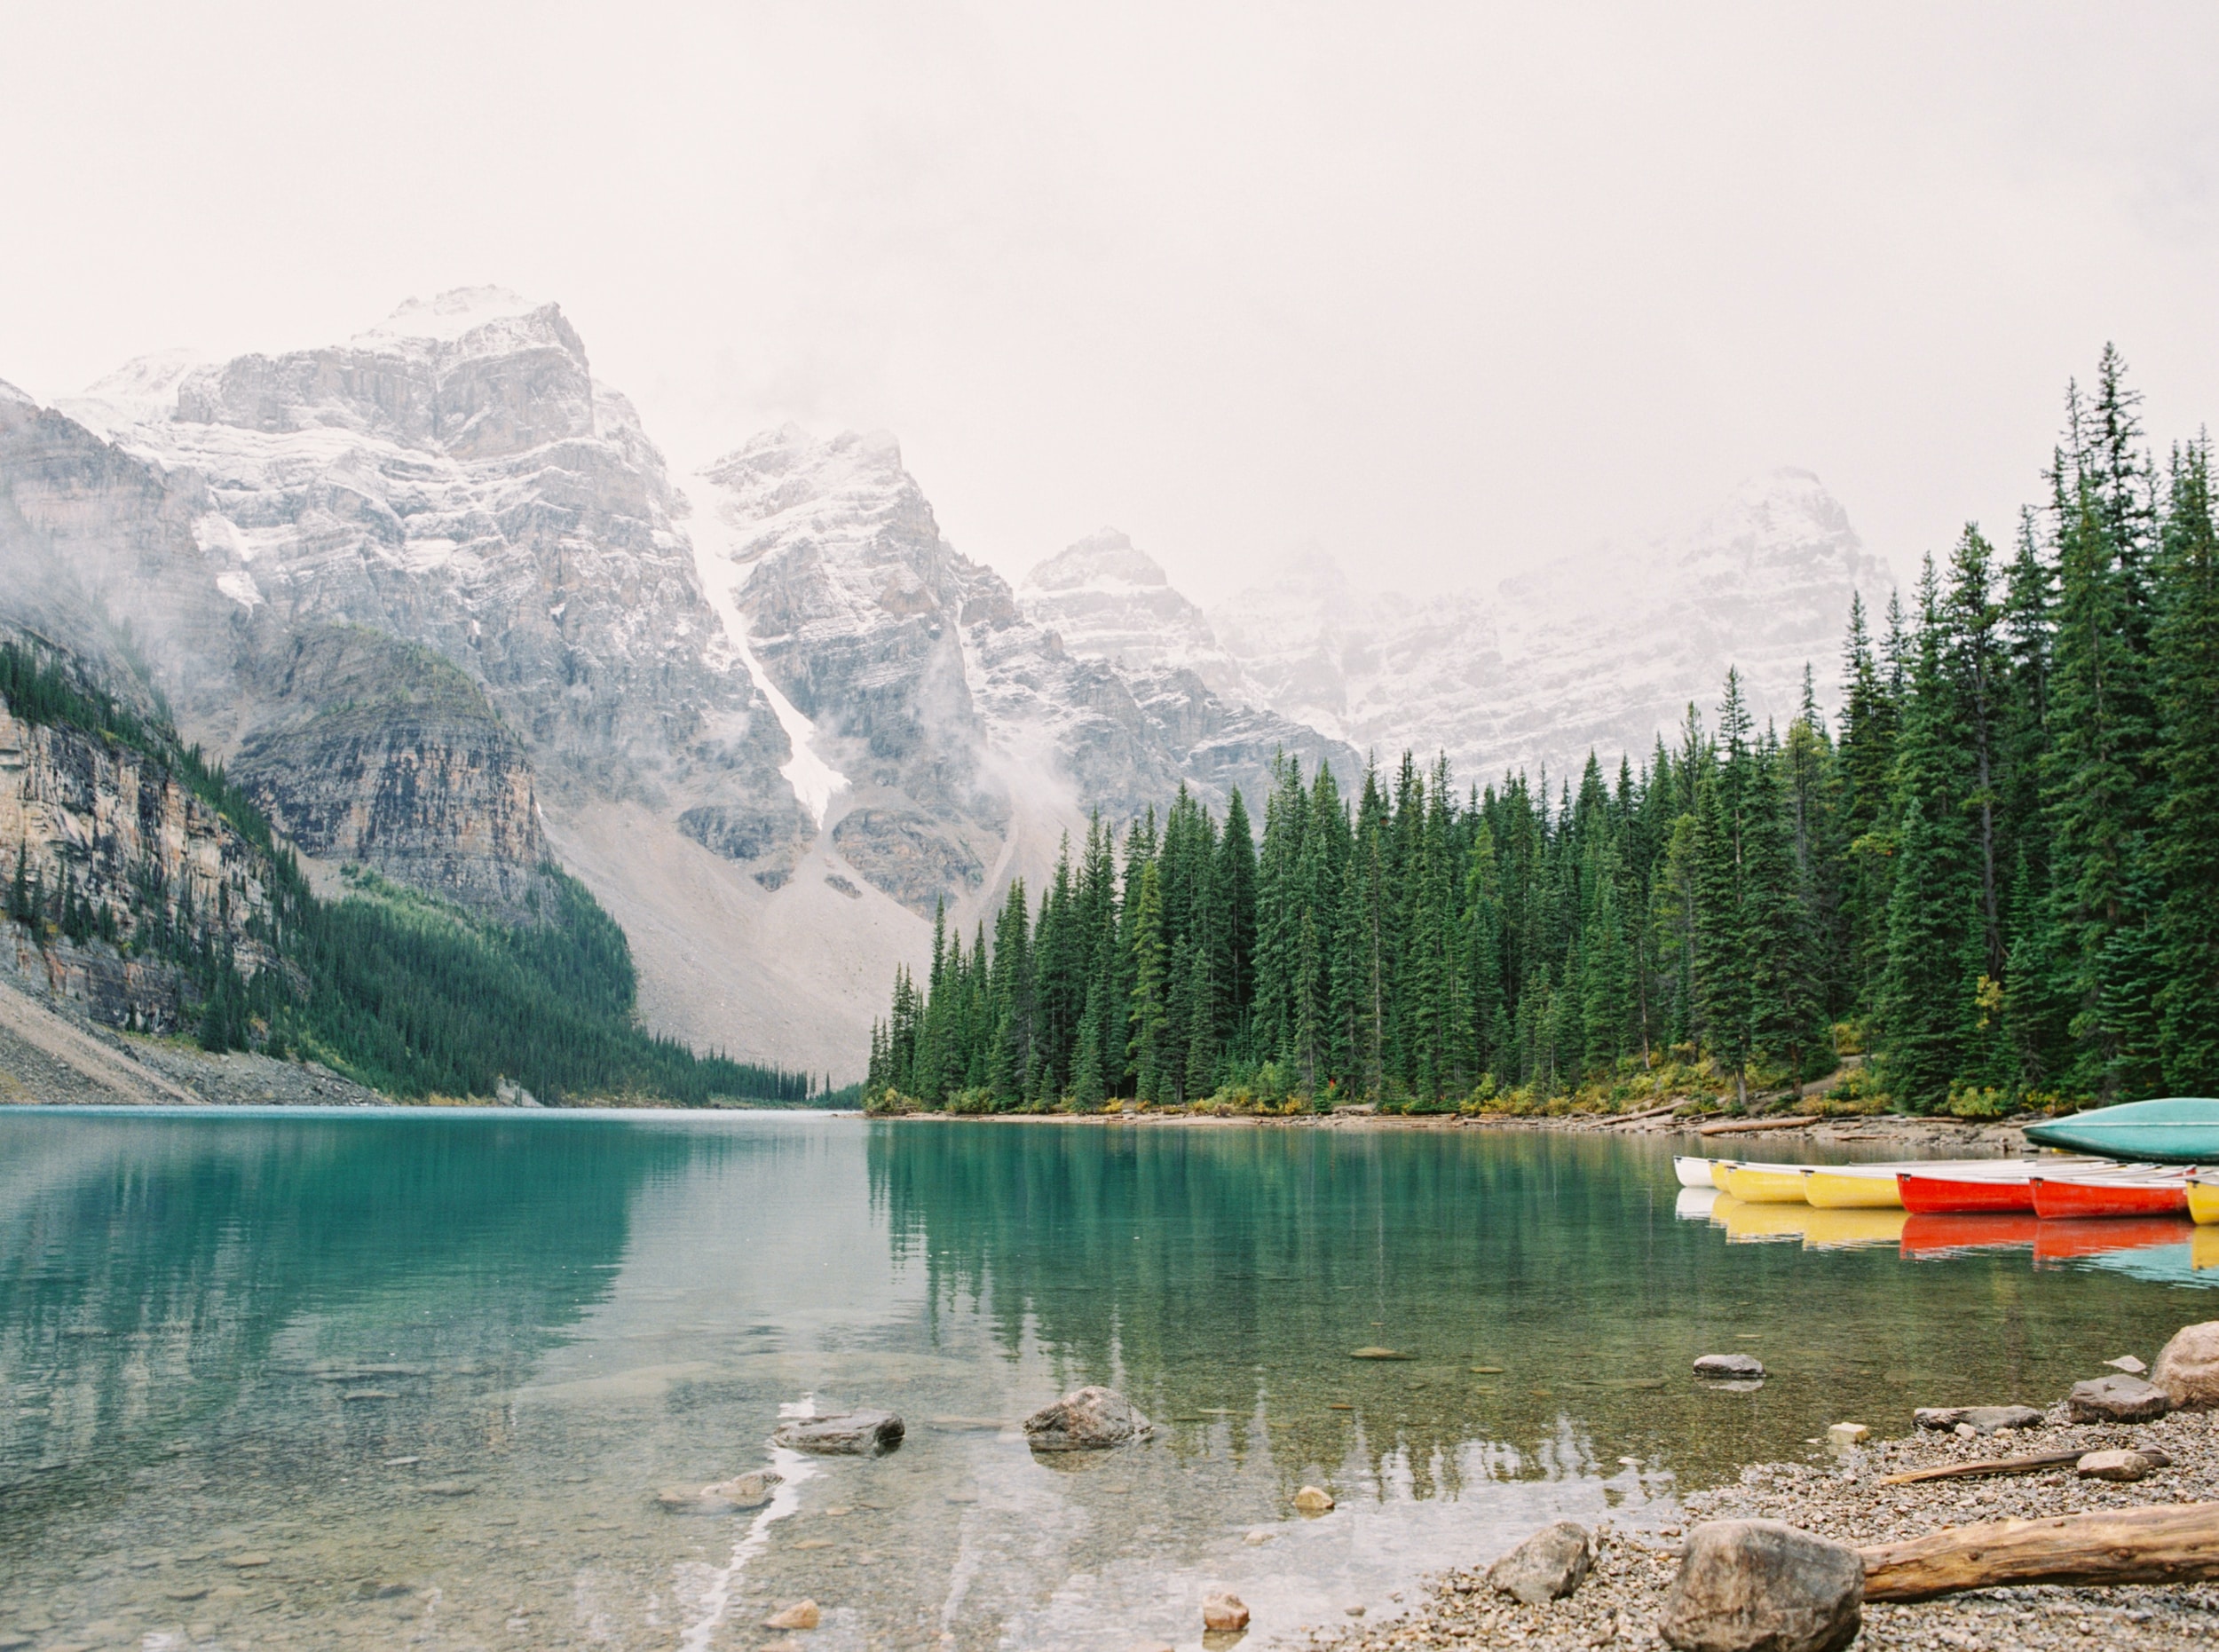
x=2049, y=1188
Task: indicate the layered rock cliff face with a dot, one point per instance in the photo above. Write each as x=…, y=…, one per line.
x=104, y=828
x=391, y=758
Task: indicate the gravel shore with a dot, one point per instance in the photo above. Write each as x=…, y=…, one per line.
x=1841, y=1497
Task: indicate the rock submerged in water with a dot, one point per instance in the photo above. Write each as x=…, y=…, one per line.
x=2117, y=1400
x=1221, y=1614
x=1545, y=1567
x=727, y=1497
x=2187, y=1368
x=1980, y=1418
x=1087, y=1419
x=1744, y=1366
x=1314, y=1500
x=1762, y=1585
x=800, y=1615
x=851, y=1433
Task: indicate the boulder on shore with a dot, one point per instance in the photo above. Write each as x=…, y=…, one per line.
x=1087, y=1419
x=851, y=1433
x=1545, y=1567
x=2187, y=1368
x=2117, y=1400
x=1762, y=1585
x=1980, y=1418
x=1742, y=1366
x=2112, y=1466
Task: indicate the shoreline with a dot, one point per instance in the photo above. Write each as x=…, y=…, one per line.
x=1841, y=1497
x=1959, y=1137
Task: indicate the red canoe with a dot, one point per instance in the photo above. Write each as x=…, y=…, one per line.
x=1986, y=1193
x=2106, y=1196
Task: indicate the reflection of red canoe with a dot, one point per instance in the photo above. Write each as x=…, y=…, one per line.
x=2104, y=1195
x=1956, y=1195
x=1935, y=1236
x=2061, y=1241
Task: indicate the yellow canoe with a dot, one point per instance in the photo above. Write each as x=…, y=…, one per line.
x=2203, y=1200
x=1763, y=1184
x=1842, y=1187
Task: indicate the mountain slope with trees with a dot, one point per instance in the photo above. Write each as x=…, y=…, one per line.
x=398, y=990
x=1996, y=868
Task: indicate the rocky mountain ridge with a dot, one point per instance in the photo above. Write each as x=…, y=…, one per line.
x=433, y=596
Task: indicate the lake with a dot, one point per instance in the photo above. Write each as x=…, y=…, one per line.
x=393, y=1376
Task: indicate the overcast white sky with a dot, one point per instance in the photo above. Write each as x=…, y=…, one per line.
x=1441, y=288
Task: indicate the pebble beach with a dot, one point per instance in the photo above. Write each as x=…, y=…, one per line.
x=1842, y=1497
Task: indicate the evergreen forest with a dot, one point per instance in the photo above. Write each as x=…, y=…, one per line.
x=1991, y=880
x=398, y=990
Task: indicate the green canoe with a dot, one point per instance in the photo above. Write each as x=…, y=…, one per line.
x=2175, y=1129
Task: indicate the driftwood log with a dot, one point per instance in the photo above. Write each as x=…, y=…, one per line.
x=1987, y=1465
x=1649, y=1112
x=2169, y=1544
x=1745, y=1126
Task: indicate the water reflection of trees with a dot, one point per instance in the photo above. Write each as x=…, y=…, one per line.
x=1235, y=1269
x=166, y=1281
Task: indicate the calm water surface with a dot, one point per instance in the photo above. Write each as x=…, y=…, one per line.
x=403, y=1377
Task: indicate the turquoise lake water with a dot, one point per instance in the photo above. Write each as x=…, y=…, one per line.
x=386, y=1378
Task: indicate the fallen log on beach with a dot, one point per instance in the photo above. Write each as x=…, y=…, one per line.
x=2172, y=1544
x=1743, y=1126
x=1989, y=1465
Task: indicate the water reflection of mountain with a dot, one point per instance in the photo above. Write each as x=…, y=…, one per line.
x=1235, y=1271
x=185, y=1283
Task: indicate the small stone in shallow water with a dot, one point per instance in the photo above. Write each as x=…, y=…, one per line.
x=1982, y=1419
x=851, y=1433
x=1742, y=1366
x=245, y=1562
x=800, y=1615
x=1223, y=1613
x=366, y=1394
x=2128, y=1364
x=1088, y=1418
x=1313, y=1499
x=1848, y=1434
x=1377, y=1353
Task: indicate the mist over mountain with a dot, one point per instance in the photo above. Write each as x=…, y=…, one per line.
x=1600, y=652
x=433, y=598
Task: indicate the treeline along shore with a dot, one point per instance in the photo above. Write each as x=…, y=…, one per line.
x=1993, y=874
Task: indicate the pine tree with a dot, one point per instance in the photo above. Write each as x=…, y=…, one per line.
x=2187, y=829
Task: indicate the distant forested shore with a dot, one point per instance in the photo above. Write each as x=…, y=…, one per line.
x=1994, y=876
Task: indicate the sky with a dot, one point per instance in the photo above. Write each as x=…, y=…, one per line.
x=1442, y=290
